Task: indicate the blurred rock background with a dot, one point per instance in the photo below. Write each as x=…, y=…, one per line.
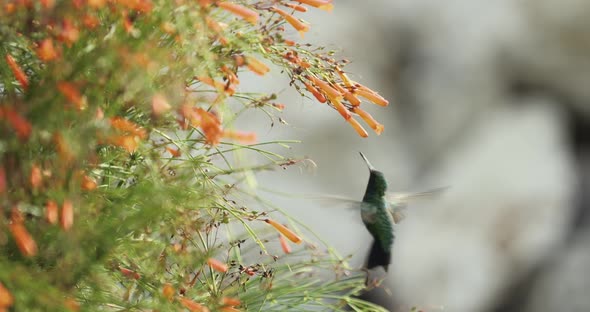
x=488, y=97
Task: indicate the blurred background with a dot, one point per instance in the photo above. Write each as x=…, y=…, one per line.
x=490, y=98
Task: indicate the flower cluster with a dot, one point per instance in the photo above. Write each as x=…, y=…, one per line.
x=116, y=145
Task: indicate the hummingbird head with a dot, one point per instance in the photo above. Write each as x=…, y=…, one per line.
x=377, y=183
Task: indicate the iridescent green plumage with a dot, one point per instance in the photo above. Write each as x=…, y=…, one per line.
x=377, y=219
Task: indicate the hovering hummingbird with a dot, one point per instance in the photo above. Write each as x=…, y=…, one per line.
x=380, y=211
x=377, y=218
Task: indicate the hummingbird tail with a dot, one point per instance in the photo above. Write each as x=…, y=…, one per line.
x=378, y=257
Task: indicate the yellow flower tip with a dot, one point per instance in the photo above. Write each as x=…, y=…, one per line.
x=6, y=299
x=256, y=66
x=67, y=215
x=347, y=82
x=159, y=105
x=379, y=129
x=357, y=127
x=193, y=306
x=217, y=265
x=241, y=11
x=285, y=231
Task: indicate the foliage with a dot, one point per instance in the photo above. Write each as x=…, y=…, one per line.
x=118, y=185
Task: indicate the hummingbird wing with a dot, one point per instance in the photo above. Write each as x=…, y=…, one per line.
x=338, y=201
x=398, y=202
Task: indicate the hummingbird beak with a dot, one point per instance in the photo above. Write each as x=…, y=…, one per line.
x=371, y=168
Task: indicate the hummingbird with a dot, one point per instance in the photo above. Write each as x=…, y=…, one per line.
x=380, y=211
x=377, y=218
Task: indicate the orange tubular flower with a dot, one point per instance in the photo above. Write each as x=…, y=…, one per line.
x=340, y=108
x=129, y=273
x=46, y=50
x=63, y=149
x=6, y=299
x=193, y=306
x=173, y=152
x=67, y=215
x=242, y=137
x=296, y=7
x=2, y=180
x=330, y=92
x=217, y=265
x=213, y=24
x=297, y=24
x=285, y=231
x=36, y=177
x=127, y=126
x=370, y=95
x=90, y=21
x=23, y=238
x=256, y=66
x=241, y=11
x=347, y=82
x=357, y=127
x=231, y=75
x=320, y=4
x=51, y=211
x=70, y=92
x=128, y=142
x=232, y=302
x=284, y=244
x=18, y=73
x=88, y=184
x=20, y=125
x=159, y=105
x=211, y=126
x=69, y=32
x=228, y=88
x=315, y=92
x=168, y=291
x=354, y=101
x=377, y=127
